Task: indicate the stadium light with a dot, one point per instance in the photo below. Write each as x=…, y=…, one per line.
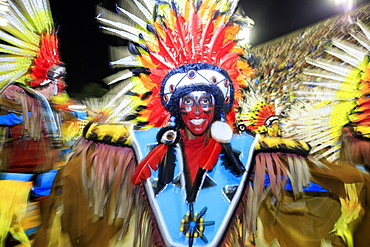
x=346, y=4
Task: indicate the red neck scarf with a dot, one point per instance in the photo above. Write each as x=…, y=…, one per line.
x=193, y=149
x=200, y=154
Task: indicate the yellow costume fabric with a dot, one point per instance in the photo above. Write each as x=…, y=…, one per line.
x=13, y=204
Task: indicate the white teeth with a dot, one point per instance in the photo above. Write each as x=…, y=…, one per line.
x=197, y=121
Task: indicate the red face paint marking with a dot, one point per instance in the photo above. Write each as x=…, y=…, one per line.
x=197, y=111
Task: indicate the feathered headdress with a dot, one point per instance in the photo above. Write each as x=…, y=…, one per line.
x=338, y=96
x=30, y=46
x=256, y=114
x=174, y=42
x=47, y=58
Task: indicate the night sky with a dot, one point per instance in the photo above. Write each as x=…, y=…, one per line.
x=85, y=50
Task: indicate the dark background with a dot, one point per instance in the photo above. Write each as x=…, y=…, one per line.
x=85, y=49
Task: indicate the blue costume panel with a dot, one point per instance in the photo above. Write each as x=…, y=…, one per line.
x=216, y=200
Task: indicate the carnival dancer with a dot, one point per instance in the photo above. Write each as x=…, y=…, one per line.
x=334, y=89
x=197, y=182
x=193, y=168
x=31, y=137
x=328, y=109
x=34, y=130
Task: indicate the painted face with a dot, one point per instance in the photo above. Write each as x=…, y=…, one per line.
x=197, y=111
x=56, y=88
x=56, y=75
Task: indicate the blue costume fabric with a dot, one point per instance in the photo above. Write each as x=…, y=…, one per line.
x=217, y=198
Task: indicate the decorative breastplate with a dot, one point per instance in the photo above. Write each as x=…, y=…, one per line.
x=202, y=222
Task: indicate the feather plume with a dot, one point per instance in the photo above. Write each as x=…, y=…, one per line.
x=28, y=32
x=166, y=169
x=151, y=161
x=133, y=9
x=338, y=87
x=177, y=33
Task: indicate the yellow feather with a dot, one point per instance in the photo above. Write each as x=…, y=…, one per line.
x=207, y=9
x=189, y=9
x=350, y=208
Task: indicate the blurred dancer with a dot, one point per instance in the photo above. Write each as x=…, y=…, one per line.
x=31, y=137
x=33, y=127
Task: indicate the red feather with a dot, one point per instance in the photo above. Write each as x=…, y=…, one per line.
x=195, y=34
x=364, y=120
x=152, y=160
x=216, y=42
x=231, y=116
x=181, y=31
x=210, y=154
x=47, y=57
x=363, y=101
x=165, y=52
x=206, y=37
x=160, y=59
x=170, y=40
x=226, y=48
x=228, y=60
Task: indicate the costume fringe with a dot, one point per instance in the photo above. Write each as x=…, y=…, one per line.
x=277, y=168
x=236, y=233
x=20, y=97
x=106, y=180
x=146, y=228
